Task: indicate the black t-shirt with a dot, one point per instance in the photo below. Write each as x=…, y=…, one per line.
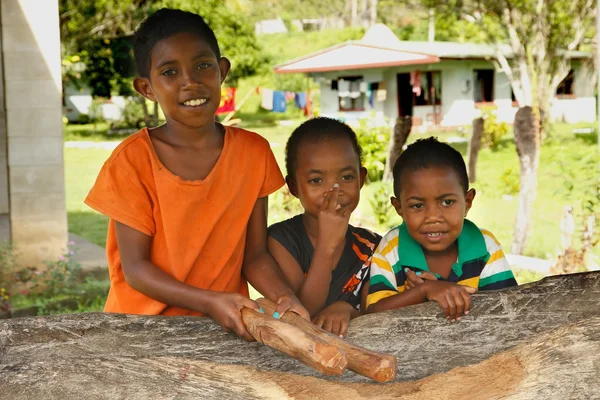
x=353, y=267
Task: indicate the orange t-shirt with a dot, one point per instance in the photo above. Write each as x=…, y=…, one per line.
x=198, y=228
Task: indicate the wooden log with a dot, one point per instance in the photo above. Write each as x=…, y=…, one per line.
x=306, y=348
x=379, y=366
x=535, y=341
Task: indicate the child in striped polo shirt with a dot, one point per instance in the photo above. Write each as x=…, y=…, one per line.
x=436, y=254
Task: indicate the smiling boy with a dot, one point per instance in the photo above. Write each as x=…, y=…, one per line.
x=187, y=200
x=436, y=253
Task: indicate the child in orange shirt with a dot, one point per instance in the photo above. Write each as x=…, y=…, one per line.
x=323, y=257
x=187, y=200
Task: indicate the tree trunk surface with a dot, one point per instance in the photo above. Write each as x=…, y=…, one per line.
x=398, y=139
x=527, y=140
x=536, y=341
x=474, y=147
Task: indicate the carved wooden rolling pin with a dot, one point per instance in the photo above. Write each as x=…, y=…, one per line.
x=379, y=366
x=309, y=349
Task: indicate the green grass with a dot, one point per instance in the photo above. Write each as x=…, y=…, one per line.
x=565, y=161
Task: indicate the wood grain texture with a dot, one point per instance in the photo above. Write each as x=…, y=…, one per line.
x=538, y=341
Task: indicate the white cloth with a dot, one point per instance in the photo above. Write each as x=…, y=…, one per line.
x=267, y=99
x=355, y=89
x=363, y=86
x=343, y=88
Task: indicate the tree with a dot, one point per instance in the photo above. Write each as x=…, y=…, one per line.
x=96, y=31
x=534, y=41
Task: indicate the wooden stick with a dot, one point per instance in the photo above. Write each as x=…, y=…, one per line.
x=379, y=366
x=310, y=350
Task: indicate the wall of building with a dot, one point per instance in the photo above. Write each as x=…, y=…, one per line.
x=458, y=106
x=32, y=76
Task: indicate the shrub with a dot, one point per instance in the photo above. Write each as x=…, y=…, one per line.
x=510, y=181
x=493, y=131
x=380, y=204
x=95, y=113
x=374, y=142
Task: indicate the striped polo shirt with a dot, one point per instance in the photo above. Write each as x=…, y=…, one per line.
x=481, y=263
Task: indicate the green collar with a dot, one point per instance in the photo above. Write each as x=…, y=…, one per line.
x=471, y=246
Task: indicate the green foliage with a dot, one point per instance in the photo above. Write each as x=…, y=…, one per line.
x=493, y=131
x=132, y=116
x=7, y=266
x=98, y=32
x=95, y=110
x=83, y=119
x=380, y=204
x=510, y=181
x=374, y=143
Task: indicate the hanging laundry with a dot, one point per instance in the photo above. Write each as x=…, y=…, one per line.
x=267, y=99
x=289, y=96
x=279, y=103
x=343, y=88
x=227, y=100
x=355, y=89
x=381, y=93
x=371, y=92
x=300, y=100
x=363, y=87
x=415, y=81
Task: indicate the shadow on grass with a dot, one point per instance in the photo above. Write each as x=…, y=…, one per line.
x=90, y=225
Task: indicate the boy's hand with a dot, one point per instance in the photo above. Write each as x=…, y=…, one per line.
x=289, y=302
x=413, y=279
x=333, y=221
x=454, y=299
x=226, y=310
x=335, y=318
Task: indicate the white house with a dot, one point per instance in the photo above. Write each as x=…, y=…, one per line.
x=437, y=83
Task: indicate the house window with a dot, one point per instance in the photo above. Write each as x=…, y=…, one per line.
x=565, y=88
x=427, y=88
x=350, y=96
x=484, y=86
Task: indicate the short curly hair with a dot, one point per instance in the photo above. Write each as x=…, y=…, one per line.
x=425, y=153
x=165, y=23
x=316, y=129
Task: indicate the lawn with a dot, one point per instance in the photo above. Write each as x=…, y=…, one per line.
x=568, y=167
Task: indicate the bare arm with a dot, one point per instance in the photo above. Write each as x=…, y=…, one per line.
x=261, y=270
x=147, y=278
x=312, y=290
x=403, y=299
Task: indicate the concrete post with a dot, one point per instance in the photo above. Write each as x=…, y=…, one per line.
x=33, y=102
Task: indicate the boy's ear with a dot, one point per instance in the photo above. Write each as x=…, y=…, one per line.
x=397, y=206
x=292, y=186
x=469, y=197
x=224, y=67
x=143, y=87
x=363, y=176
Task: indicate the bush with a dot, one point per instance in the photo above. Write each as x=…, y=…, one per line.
x=381, y=206
x=83, y=119
x=374, y=142
x=95, y=113
x=492, y=130
x=510, y=181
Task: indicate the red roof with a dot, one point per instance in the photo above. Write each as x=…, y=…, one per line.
x=354, y=55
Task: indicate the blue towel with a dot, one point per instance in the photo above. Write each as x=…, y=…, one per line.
x=279, y=104
x=300, y=100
